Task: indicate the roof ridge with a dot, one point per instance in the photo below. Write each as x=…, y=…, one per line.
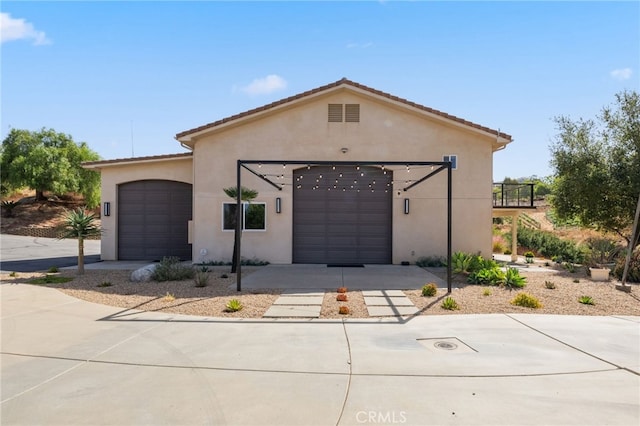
x=343, y=81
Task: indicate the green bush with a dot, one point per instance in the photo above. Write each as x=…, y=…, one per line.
x=170, y=269
x=633, y=276
x=431, y=261
x=429, y=290
x=549, y=245
x=527, y=301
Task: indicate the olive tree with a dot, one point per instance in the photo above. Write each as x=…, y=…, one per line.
x=597, y=167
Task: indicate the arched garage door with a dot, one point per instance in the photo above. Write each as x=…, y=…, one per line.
x=153, y=220
x=342, y=215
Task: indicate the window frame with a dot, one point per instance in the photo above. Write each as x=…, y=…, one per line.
x=245, y=205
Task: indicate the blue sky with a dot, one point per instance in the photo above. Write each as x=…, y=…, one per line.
x=110, y=73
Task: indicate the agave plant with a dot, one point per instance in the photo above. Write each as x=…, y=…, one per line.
x=79, y=224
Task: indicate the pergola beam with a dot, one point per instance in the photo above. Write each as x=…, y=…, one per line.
x=242, y=164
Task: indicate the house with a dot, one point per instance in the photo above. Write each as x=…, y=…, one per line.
x=344, y=173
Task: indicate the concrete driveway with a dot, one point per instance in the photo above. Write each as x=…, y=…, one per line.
x=29, y=254
x=69, y=362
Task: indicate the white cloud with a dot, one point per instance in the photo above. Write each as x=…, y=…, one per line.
x=262, y=86
x=621, y=74
x=19, y=29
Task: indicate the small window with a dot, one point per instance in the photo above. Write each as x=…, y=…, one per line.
x=335, y=113
x=352, y=113
x=453, y=159
x=253, y=218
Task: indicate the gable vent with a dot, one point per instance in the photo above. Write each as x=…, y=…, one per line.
x=352, y=113
x=335, y=113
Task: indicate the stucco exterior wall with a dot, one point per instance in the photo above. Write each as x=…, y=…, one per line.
x=179, y=170
x=386, y=132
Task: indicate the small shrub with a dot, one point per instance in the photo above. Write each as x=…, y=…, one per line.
x=550, y=285
x=224, y=276
x=342, y=297
x=486, y=292
x=8, y=207
x=569, y=266
x=170, y=269
x=104, y=284
x=507, y=252
x=526, y=301
x=342, y=289
x=431, y=261
x=201, y=278
x=50, y=279
x=343, y=310
x=449, y=304
x=53, y=270
x=498, y=244
x=586, y=300
x=204, y=268
x=169, y=297
x=253, y=262
x=429, y=290
x=13, y=274
x=576, y=281
x=512, y=278
x=234, y=305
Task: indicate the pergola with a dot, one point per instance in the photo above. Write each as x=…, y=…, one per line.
x=436, y=168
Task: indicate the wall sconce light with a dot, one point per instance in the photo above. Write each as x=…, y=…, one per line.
x=406, y=206
x=344, y=150
x=278, y=205
x=106, y=209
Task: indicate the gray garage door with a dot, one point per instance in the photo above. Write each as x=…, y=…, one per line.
x=342, y=215
x=152, y=220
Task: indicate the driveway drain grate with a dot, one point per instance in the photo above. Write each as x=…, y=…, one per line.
x=445, y=344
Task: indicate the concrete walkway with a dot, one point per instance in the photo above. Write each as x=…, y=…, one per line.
x=65, y=361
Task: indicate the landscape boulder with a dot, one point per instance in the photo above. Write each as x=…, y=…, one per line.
x=143, y=274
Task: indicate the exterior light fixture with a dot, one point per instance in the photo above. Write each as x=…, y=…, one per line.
x=278, y=205
x=406, y=206
x=344, y=150
x=106, y=208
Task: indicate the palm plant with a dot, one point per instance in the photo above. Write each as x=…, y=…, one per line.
x=246, y=194
x=79, y=224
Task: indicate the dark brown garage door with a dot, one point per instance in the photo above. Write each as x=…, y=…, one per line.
x=342, y=215
x=153, y=220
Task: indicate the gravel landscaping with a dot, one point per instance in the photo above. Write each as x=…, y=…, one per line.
x=183, y=297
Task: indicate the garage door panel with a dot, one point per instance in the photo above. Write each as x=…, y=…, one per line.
x=152, y=220
x=341, y=223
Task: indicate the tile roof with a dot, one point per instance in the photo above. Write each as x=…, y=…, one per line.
x=329, y=86
x=92, y=164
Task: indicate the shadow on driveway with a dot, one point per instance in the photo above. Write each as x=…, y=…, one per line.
x=34, y=265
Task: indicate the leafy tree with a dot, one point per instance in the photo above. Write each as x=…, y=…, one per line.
x=81, y=225
x=246, y=194
x=45, y=160
x=597, y=167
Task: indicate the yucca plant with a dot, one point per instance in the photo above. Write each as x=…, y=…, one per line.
x=79, y=224
x=8, y=207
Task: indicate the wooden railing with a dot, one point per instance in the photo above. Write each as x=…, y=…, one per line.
x=518, y=195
